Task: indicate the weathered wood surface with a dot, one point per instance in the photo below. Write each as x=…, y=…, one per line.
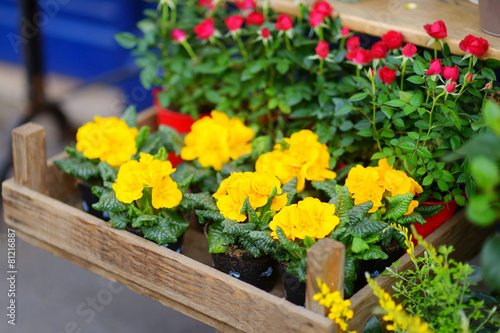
x=202, y=292
x=376, y=17
x=325, y=260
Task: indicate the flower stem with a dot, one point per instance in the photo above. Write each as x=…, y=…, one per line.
x=220, y=44
x=189, y=50
x=242, y=47
x=321, y=62
x=173, y=16
x=432, y=109
x=403, y=74
x=342, y=44
x=470, y=64
x=301, y=12
x=357, y=71
x=435, y=49
x=287, y=42
x=374, y=111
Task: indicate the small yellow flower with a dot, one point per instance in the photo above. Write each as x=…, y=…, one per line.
x=339, y=308
x=360, y=176
x=156, y=171
x=397, y=182
x=128, y=185
x=369, y=191
x=165, y=193
x=286, y=220
x=322, y=215
x=230, y=205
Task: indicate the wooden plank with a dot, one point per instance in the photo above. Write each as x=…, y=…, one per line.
x=457, y=231
x=28, y=153
x=376, y=17
x=157, y=269
x=325, y=260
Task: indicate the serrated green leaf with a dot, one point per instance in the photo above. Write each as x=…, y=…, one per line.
x=423, y=152
x=83, y=169
x=204, y=215
x=130, y=116
x=107, y=172
x=119, y=220
x=159, y=234
x=235, y=228
x=373, y=253
x=218, y=242
x=171, y=139
x=416, y=79
x=343, y=204
x=413, y=217
x=328, y=186
x=250, y=212
x=203, y=200
x=367, y=227
x=428, y=210
x=398, y=206
x=290, y=246
x=358, y=245
x=359, y=212
x=351, y=267
x=109, y=202
x=395, y=103
x=172, y=221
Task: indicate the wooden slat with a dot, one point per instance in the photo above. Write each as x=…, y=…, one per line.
x=29, y=157
x=325, y=260
x=376, y=17
x=465, y=237
x=156, y=269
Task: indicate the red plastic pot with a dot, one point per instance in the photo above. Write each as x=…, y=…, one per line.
x=181, y=122
x=437, y=220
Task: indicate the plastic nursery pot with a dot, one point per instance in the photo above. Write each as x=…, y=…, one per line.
x=295, y=291
x=260, y=272
x=89, y=198
x=177, y=246
x=180, y=122
x=489, y=12
x=437, y=220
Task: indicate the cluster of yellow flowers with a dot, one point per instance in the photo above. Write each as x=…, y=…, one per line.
x=339, y=308
x=408, y=239
x=256, y=186
x=134, y=176
x=216, y=140
x=108, y=139
x=372, y=183
x=401, y=321
x=310, y=217
x=305, y=158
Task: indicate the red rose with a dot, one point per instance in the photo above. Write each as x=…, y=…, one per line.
x=409, y=50
x=315, y=18
x=387, y=75
x=206, y=3
x=451, y=73
x=322, y=49
x=283, y=22
x=352, y=43
x=178, y=35
x=345, y=31
x=435, y=68
x=205, y=29
x=245, y=4
x=255, y=18
x=476, y=46
x=265, y=33
x=436, y=30
x=450, y=87
x=234, y=22
x=379, y=50
x=323, y=7
x=359, y=56
x=393, y=39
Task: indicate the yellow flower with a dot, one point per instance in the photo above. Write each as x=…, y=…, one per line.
x=397, y=182
x=216, y=140
x=286, y=220
x=279, y=202
x=128, y=185
x=415, y=187
x=165, y=193
x=156, y=171
x=339, y=308
x=321, y=214
x=359, y=177
x=262, y=186
x=230, y=205
x=370, y=191
x=109, y=139
x=411, y=207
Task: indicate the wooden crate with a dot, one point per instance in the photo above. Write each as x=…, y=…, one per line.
x=42, y=205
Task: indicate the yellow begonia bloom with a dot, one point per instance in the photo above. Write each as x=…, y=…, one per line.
x=305, y=158
x=216, y=140
x=165, y=193
x=370, y=191
x=321, y=214
x=397, y=182
x=286, y=220
x=262, y=186
x=230, y=205
x=360, y=176
x=128, y=185
x=156, y=171
x=108, y=139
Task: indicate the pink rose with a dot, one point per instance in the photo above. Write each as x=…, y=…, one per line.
x=451, y=73
x=450, y=87
x=409, y=50
x=323, y=7
x=387, y=75
x=476, y=46
x=345, y=31
x=487, y=86
x=178, y=35
x=359, y=56
x=379, y=50
x=265, y=33
x=255, y=18
x=352, y=43
x=234, y=22
x=245, y=4
x=322, y=49
x=284, y=22
x=206, y=3
x=315, y=18
x=205, y=29
x=393, y=39
x=435, y=68
x=469, y=77
x=436, y=30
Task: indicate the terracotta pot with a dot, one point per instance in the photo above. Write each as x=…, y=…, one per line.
x=489, y=13
x=88, y=199
x=260, y=272
x=295, y=291
x=177, y=246
x=437, y=220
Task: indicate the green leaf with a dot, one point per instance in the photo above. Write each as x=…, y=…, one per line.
x=142, y=137
x=417, y=100
x=130, y=116
x=423, y=152
x=119, y=220
x=443, y=186
x=204, y=215
x=373, y=253
x=398, y=205
x=234, y=228
x=171, y=139
x=419, y=67
x=149, y=219
x=126, y=40
x=490, y=261
x=414, y=217
x=367, y=132
x=328, y=186
x=358, y=97
x=351, y=267
x=172, y=221
x=408, y=147
x=343, y=204
x=109, y=202
x=373, y=326
x=282, y=67
x=159, y=234
x=218, y=242
x=261, y=145
x=366, y=228
x=359, y=212
x=290, y=246
x=455, y=118
x=388, y=111
x=395, y=103
x=107, y=172
x=199, y=200
x=250, y=212
x=405, y=96
x=428, y=210
x=416, y=79
x=83, y=169
x=297, y=268
x=427, y=180
x=359, y=245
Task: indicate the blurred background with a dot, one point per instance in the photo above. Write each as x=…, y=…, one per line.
x=60, y=66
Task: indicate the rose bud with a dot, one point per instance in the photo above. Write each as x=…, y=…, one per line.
x=387, y=75
x=469, y=78
x=322, y=49
x=255, y=18
x=345, y=31
x=393, y=39
x=409, y=50
x=265, y=33
x=487, y=86
x=315, y=18
x=205, y=29
x=450, y=87
x=435, y=68
x=234, y=22
x=359, y=56
x=437, y=30
x=379, y=50
x=284, y=22
x=451, y=73
x=323, y=7
x=352, y=43
x=476, y=46
x=178, y=35
x=245, y=4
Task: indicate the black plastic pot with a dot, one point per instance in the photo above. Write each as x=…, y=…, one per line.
x=89, y=198
x=295, y=291
x=177, y=246
x=260, y=272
